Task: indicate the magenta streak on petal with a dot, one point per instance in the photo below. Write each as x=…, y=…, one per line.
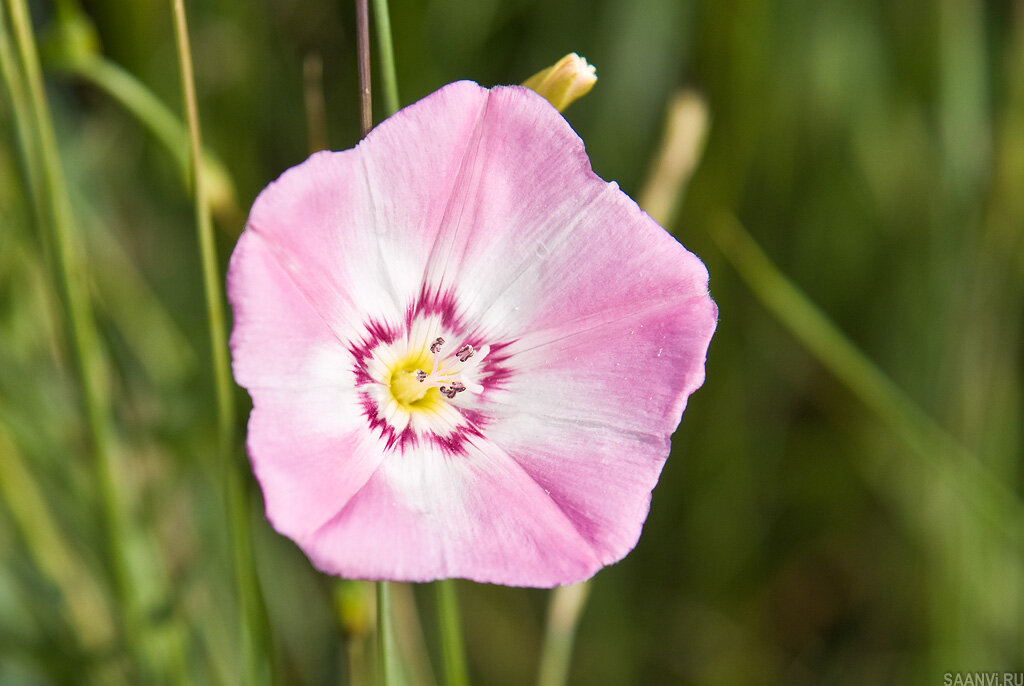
x=435, y=302
x=496, y=371
x=361, y=350
x=455, y=443
x=385, y=430
x=493, y=372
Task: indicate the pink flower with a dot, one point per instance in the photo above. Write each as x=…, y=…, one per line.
x=466, y=352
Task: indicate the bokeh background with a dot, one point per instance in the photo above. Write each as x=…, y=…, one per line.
x=841, y=501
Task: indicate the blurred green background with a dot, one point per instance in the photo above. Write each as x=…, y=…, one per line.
x=816, y=523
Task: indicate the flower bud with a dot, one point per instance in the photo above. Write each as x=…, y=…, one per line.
x=568, y=79
x=353, y=605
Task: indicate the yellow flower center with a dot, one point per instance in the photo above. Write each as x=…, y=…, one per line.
x=408, y=391
x=420, y=378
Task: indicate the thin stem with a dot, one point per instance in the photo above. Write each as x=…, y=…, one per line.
x=363, y=50
x=12, y=77
x=91, y=365
x=255, y=627
x=564, y=612
x=682, y=144
x=353, y=605
x=409, y=639
x=386, y=650
x=386, y=51
x=453, y=651
x=207, y=248
x=387, y=656
x=313, y=99
x=249, y=599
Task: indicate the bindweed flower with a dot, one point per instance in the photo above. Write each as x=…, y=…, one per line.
x=466, y=352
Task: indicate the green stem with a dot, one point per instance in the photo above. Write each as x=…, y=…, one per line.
x=939, y=451
x=363, y=62
x=453, y=651
x=313, y=99
x=386, y=50
x=387, y=656
x=386, y=650
x=252, y=613
x=21, y=107
x=564, y=612
x=207, y=247
x=250, y=602
x=91, y=365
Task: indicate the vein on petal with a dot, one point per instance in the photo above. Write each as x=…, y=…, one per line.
x=272, y=250
x=652, y=438
x=593, y=322
x=396, y=298
x=558, y=238
x=371, y=475
x=466, y=161
x=514, y=464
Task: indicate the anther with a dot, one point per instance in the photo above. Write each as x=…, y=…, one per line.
x=421, y=375
x=450, y=391
x=435, y=347
x=465, y=352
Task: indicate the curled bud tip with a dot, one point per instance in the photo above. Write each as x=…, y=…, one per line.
x=567, y=80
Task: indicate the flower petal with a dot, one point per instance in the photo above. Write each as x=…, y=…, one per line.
x=311, y=453
x=354, y=228
x=523, y=181
x=588, y=412
x=530, y=236
x=278, y=339
x=306, y=427
x=316, y=221
x=610, y=316
x=428, y=515
x=628, y=367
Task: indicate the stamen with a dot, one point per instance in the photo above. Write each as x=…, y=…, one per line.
x=450, y=391
x=451, y=373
